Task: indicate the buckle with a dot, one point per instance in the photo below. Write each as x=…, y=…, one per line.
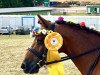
x=40, y=63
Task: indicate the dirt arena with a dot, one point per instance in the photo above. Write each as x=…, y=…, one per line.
x=12, y=51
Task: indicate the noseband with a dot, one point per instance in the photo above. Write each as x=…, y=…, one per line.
x=41, y=56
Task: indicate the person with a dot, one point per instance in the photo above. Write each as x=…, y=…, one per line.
x=82, y=24
x=60, y=20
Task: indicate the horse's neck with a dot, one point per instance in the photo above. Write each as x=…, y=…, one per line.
x=76, y=42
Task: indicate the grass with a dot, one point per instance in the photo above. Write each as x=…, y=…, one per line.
x=12, y=52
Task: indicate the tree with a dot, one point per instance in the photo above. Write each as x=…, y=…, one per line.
x=27, y=3
x=10, y=3
x=15, y=3
x=38, y=2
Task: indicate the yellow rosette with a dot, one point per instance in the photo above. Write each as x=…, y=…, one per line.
x=53, y=43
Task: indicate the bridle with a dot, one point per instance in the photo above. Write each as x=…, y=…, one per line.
x=42, y=56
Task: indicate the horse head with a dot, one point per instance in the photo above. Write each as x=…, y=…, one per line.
x=36, y=54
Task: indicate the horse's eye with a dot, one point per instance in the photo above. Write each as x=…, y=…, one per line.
x=40, y=41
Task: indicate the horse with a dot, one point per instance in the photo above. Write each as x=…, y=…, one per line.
x=76, y=40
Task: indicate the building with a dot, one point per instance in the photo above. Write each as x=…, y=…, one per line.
x=26, y=11
x=15, y=21
x=93, y=9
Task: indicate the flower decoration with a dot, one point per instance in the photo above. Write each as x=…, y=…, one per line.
x=38, y=31
x=44, y=31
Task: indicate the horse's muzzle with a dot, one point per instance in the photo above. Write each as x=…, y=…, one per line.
x=30, y=70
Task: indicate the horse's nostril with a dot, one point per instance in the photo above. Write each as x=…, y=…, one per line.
x=23, y=66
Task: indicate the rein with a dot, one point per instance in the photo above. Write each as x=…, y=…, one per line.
x=74, y=57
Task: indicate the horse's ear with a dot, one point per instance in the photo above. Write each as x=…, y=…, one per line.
x=45, y=23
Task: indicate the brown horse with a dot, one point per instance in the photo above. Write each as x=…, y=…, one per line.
x=76, y=40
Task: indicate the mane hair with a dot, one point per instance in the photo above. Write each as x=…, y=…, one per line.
x=87, y=29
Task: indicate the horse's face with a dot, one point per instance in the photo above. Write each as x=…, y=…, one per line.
x=31, y=63
x=37, y=52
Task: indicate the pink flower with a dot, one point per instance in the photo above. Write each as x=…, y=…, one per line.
x=60, y=18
